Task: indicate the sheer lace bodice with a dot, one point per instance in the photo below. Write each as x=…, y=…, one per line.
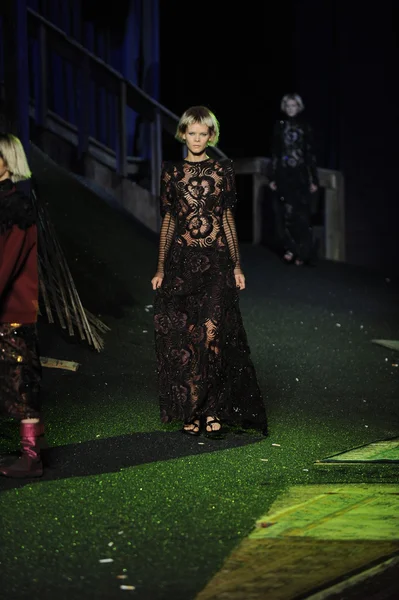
x=197, y=205
x=204, y=364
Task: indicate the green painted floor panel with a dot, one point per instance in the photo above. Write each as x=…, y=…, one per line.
x=312, y=538
x=380, y=451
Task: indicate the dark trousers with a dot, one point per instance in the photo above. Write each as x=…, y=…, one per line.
x=293, y=199
x=297, y=230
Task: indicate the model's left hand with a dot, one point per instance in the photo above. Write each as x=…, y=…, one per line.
x=313, y=188
x=240, y=281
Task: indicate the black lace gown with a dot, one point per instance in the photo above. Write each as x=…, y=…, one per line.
x=204, y=363
x=293, y=168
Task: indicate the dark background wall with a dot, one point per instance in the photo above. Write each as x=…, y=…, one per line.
x=340, y=56
x=346, y=66
x=231, y=60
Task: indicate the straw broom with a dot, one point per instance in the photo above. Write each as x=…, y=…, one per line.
x=58, y=292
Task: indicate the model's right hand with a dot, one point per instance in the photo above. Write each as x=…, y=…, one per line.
x=273, y=186
x=156, y=281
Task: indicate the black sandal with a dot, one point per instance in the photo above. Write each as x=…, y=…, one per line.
x=216, y=434
x=196, y=429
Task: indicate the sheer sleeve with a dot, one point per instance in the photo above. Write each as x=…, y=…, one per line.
x=168, y=218
x=229, y=226
x=310, y=157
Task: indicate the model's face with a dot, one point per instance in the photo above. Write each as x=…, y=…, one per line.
x=197, y=137
x=4, y=172
x=291, y=108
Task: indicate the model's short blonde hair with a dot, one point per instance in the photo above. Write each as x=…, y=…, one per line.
x=296, y=98
x=202, y=115
x=13, y=154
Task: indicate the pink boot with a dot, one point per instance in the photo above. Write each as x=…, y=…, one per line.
x=29, y=464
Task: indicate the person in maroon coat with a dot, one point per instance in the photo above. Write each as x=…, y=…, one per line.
x=20, y=368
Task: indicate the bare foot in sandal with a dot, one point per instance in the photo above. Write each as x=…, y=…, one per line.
x=213, y=428
x=192, y=428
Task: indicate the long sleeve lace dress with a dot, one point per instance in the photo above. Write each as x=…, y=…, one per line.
x=204, y=363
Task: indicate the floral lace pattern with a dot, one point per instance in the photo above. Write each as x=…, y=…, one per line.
x=204, y=363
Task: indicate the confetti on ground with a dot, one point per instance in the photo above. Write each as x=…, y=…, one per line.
x=55, y=363
x=106, y=560
x=127, y=587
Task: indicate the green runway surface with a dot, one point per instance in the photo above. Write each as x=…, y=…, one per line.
x=167, y=509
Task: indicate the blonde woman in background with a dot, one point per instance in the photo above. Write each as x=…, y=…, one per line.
x=293, y=177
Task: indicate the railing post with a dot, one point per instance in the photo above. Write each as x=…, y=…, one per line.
x=259, y=183
x=156, y=155
x=341, y=205
x=84, y=112
x=16, y=69
x=121, y=151
x=334, y=219
x=41, y=99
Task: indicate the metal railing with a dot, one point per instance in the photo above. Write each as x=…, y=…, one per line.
x=47, y=38
x=89, y=68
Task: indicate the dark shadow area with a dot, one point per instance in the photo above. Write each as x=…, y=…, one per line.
x=244, y=208
x=272, y=222
x=103, y=291
x=96, y=239
x=110, y=455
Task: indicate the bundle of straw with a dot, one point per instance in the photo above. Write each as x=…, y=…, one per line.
x=57, y=288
